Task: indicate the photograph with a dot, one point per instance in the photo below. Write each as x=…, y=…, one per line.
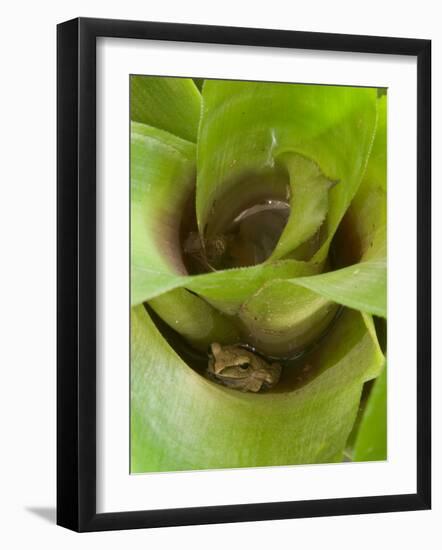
x=258, y=263
x=210, y=211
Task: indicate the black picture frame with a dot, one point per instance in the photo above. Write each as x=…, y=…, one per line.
x=76, y=273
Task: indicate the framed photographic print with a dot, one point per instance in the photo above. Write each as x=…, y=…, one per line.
x=239, y=213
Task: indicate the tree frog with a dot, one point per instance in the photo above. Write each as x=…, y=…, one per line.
x=241, y=369
x=210, y=256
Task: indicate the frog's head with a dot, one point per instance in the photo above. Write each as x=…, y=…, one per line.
x=230, y=362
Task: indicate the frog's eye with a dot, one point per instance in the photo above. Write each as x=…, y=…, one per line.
x=244, y=366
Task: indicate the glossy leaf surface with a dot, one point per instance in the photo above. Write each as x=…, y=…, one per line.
x=171, y=104
x=182, y=421
x=371, y=440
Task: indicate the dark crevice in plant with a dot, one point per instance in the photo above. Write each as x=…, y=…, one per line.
x=346, y=248
x=307, y=249
x=248, y=240
x=365, y=394
x=296, y=371
x=381, y=332
x=192, y=357
x=244, y=226
x=194, y=263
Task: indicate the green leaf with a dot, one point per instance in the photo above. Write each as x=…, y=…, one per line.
x=194, y=319
x=309, y=203
x=171, y=104
x=377, y=164
x=361, y=286
x=162, y=180
x=363, y=232
x=282, y=318
x=228, y=289
x=182, y=421
x=246, y=126
x=285, y=316
x=371, y=440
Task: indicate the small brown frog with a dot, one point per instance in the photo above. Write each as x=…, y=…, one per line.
x=241, y=369
x=209, y=256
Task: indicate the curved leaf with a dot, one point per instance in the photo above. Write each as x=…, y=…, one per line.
x=282, y=318
x=362, y=286
x=309, y=203
x=371, y=440
x=227, y=289
x=162, y=179
x=285, y=316
x=246, y=125
x=194, y=319
x=171, y=104
x=182, y=421
x=363, y=232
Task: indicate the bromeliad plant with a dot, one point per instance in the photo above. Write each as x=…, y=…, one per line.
x=258, y=243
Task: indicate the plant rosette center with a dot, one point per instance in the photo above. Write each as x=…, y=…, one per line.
x=258, y=263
